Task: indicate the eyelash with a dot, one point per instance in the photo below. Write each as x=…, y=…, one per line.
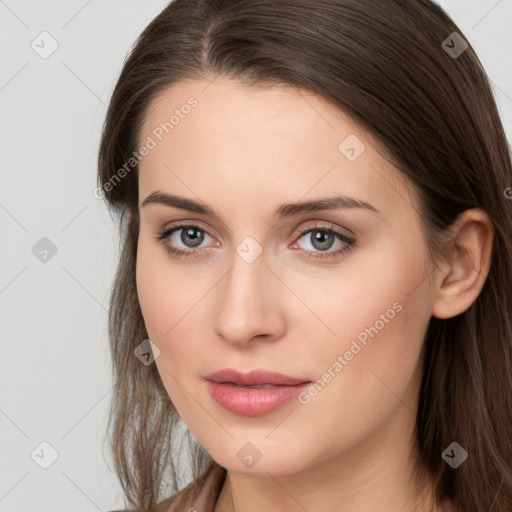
x=178, y=253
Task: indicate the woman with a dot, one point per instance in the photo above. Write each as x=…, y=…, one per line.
x=314, y=201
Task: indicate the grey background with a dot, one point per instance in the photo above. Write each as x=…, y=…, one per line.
x=54, y=367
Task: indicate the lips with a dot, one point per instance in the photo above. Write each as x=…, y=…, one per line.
x=255, y=393
x=258, y=378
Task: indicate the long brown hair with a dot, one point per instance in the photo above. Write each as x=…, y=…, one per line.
x=391, y=66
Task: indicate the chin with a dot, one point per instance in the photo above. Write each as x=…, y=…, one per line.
x=261, y=459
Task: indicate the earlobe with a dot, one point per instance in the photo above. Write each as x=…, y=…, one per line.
x=467, y=266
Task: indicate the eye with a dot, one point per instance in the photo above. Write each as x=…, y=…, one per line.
x=320, y=241
x=186, y=240
x=189, y=235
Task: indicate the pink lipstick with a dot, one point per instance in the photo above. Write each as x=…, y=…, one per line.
x=255, y=393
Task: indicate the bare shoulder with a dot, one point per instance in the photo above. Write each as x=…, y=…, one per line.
x=200, y=495
x=171, y=504
x=174, y=503
x=182, y=501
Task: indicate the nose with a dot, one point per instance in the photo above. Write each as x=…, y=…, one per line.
x=249, y=303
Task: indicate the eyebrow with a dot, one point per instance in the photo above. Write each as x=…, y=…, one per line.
x=285, y=210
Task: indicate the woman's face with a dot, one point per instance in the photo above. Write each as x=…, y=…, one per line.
x=258, y=288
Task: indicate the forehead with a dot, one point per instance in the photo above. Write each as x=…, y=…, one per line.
x=261, y=145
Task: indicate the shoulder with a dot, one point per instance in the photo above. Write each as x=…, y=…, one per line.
x=199, y=495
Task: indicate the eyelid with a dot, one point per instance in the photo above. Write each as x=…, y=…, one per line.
x=310, y=226
x=178, y=224
x=305, y=227
x=323, y=224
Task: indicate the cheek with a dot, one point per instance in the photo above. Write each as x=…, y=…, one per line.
x=164, y=306
x=164, y=289
x=159, y=289
x=151, y=293
x=171, y=300
x=369, y=290
x=372, y=316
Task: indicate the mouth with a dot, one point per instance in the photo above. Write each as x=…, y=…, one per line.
x=254, y=378
x=256, y=393
x=255, y=386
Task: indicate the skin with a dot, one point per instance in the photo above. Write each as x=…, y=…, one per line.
x=244, y=151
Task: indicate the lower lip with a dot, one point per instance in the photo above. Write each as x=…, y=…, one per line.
x=251, y=401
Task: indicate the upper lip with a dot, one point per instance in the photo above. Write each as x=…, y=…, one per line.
x=253, y=377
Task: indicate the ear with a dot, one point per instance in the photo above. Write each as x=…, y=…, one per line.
x=462, y=274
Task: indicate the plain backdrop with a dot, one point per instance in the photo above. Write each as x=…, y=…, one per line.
x=59, y=246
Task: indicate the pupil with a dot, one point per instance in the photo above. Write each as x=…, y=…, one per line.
x=191, y=233
x=323, y=239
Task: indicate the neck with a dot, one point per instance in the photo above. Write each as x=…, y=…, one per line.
x=376, y=476
x=277, y=494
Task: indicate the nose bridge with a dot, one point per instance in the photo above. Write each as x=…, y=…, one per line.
x=247, y=303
